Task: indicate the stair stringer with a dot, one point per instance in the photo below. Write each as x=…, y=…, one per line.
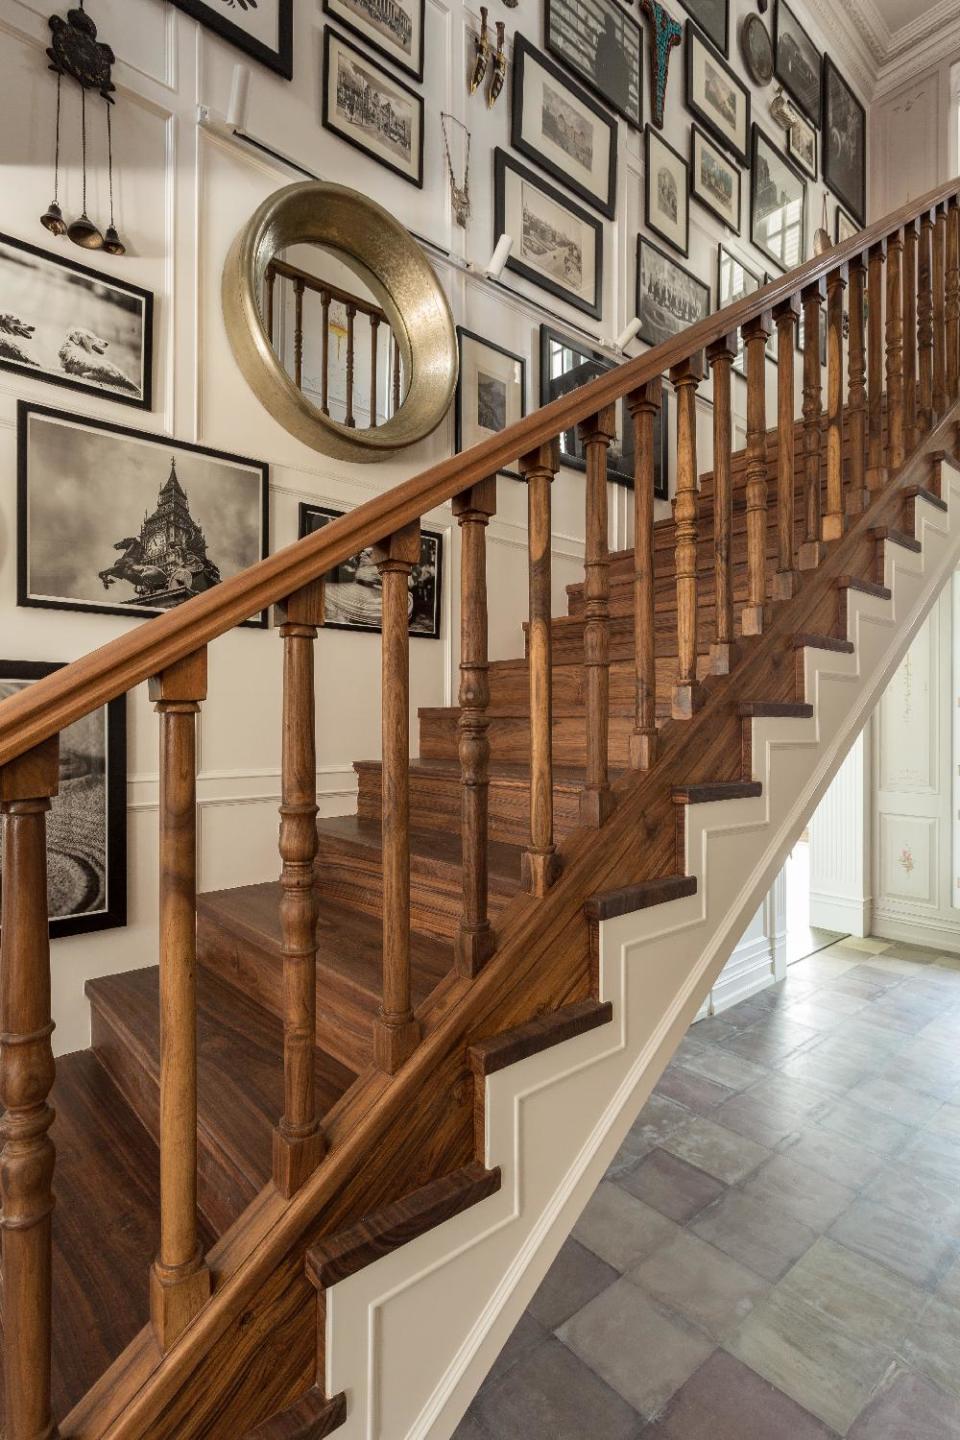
x=411, y=1337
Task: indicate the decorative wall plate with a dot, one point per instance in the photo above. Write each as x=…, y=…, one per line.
x=756, y=47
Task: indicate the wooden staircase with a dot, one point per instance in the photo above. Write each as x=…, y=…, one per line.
x=306, y=1116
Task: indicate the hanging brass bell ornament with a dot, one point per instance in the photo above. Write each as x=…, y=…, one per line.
x=112, y=242
x=821, y=239
x=52, y=219
x=83, y=232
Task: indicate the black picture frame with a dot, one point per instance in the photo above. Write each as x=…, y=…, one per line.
x=723, y=300
x=693, y=36
x=464, y=334
x=646, y=333
x=333, y=37
x=793, y=54
x=812, y=171
x=337, y=10
x=760, y=137
x=279, y=60
x=12, y=341
x=702, y=196
x=504, y=162
x=165, y=446
x=717, y=33
x=848, y=184
x=653, y=138
x=839, y=216
x=112, y=914
x=597, y=78
x=345, y=574
x=522, y=50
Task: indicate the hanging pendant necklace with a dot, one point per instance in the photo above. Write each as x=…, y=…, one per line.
x=459, y=194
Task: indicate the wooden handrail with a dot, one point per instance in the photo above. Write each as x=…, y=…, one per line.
x=323, y=287
x=47, y=706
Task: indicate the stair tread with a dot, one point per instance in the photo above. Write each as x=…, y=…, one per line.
x=705, y=791
x=501, y=771
x=431, y=847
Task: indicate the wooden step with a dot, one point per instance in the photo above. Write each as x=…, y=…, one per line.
x=239, y=1078
x=510, y=736
x=884, y=535
x=496, y=1053
x=311, y=1417
x=774, y=709
x=710, y=791
x=846, y=583
x=641, y=896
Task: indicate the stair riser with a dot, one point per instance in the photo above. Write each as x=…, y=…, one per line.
x=511, y=688
x=435, y=803
x=510, y=739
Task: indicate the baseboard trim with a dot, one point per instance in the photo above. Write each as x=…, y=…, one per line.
x=914, y=929
x=841, y=913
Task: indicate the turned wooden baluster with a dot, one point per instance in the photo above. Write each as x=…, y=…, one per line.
x=596, y=797
x=180, y=1279
x=298, y=1143
x=910, y=432
x=832, y=524
x=348, y=418
x=26, y=1077
x=325, y=352
x=756, y=333
x=811, y=549
x=298, y=334
x=475, y=941
x=687, y=691
x=953, y=300
x=858, y=496
x=721, y=356
x=540, y=863
x=876, y=461
x=374, y=332
x=925, y=324
x=643, y=406
x=396, y=1032
x=786, y=315
x=939, y=282
x=895, y=450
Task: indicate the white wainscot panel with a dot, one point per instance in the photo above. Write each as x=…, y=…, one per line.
x=223, y=863
x=908, y=849
x=908, y=718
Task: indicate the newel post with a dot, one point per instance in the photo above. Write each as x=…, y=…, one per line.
x=540, y=864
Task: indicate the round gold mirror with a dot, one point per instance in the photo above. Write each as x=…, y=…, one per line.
x=338, y=322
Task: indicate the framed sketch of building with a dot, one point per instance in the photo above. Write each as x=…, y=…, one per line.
x=667, y=192
x=561, y=129
x=669, y=297
x=713, y=17
x=353, y=593
x=556, y=244
x=122, y=522
x=844, y=143
x=394, y=28
x=715, y=95
x=69, y=325
x=87, y=820
x=372, y=110
x=778, y=204
x=802, y=146
x=844, y=227
x=602, y=44
x=797, y=62
x=263, y=29
x=714, y=179
x=491, y=390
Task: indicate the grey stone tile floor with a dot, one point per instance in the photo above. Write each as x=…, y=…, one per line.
x=774, y=1254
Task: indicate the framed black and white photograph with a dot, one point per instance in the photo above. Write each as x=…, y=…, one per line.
x=778, y=204
x=69, y=325
x=122, y=522
x=735, y=281
x=844, y=142
x=669, y=297
x=714, y=179
x=562, y=129
x=353, y=592
x=715, y=95
x=556, y=244
x=395, y=30
x=371, y=109
x=87, y=820
x=797, y=62
x=845, y=227
x=667, y=192
x=261, y=28
x=491, y=390
x=802, y=146
x=713, y=17
x=601, y=44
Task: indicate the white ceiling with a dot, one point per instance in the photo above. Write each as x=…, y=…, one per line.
x=897, y=13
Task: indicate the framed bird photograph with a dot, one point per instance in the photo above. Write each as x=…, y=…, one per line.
x=263, y=30
x=66, y=324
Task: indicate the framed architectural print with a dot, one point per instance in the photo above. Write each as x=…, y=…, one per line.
x=69, y=325
x=87, y=820
x=778, y=204
x=797, y=62
x=844, y=143
x=669, y=298
x=372, y=110
x=556, y=244
x=491, y=390
x=562, y=129
x=668, y=192
x=802, y=146
x=395, y=29
x=844, y=227
x=353, y=593
x=735, y=281
x=714, y=179
x=263, y=30
x=715, y=95
x=122, y=522
x=713, y=17
x=601, y=44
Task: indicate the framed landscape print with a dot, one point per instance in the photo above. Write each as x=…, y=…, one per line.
x=735, y=281
x=715, y=95
x=668, y=192
x=395, y=29
x=602, y=44
x=262, y=28
x=353, y=593
x=491, y=390
x=69, y=325
x=714, y=180
x=844, y=142
x=778, y=204
x=797, y=62
x=87, y=820
x=802, y=146
x=844, y=227
x=713, y=17
x=556, y=244
x=371, y=109
x=122, y=522
x=561, y=129
x=669, y=298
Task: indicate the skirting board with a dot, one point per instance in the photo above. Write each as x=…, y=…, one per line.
x=841, y=913
x=917, y=930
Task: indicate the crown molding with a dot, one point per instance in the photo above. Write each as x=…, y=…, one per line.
x=853, y=37
x=921, y=44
